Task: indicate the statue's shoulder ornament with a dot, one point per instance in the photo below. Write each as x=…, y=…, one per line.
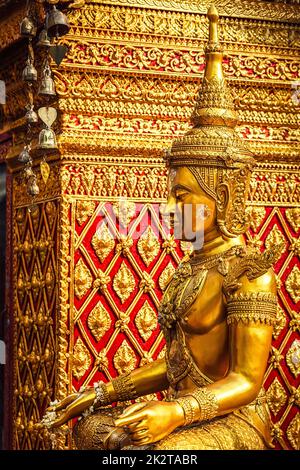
x=251, y=306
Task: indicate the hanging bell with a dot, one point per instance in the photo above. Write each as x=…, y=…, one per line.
x=29, y=73
x=47, y=139
x=44, y=40
x=31, y=116
x=24, y=156
x=27, y=27
x=57, y=23
x=47, y=86
x=32, y=187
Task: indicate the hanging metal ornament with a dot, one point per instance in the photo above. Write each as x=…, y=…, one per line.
x=28, y=27
x=47, y=138
x=57, y=24
x=45, y=170
x=58, y=53
x=29, y=73
x=24, y=156
x=31, y=116
x=47, y=86
x=44, y=40
x=28, y=171
x=32, y=186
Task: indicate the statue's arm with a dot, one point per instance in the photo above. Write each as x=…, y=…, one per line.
x=251, y=312
x=142, y=381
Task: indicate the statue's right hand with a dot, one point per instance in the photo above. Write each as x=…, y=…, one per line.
x=70, y=407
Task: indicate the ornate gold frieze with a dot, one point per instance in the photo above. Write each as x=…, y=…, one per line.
x=240, y=8
x=165, y=25
x=183, y=61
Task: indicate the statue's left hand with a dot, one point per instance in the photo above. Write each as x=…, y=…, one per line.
x=150, y=422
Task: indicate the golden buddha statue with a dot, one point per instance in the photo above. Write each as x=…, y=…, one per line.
x=216, y=314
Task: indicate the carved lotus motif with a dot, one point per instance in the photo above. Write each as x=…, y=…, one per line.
x=124, y=282
x=146, y=321
x=275, y=238
x=292, y=284
x=81, y=359
x=103, y=242
x=99, y=321
x=148, y=246
x=82, y=279
x=276, y=396
x=166, y=276
x=124, y=359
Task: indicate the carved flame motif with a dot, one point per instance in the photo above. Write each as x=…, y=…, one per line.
x=124, y=210
x=124, y=282
x=146, y=321
x=166, y=276
x=82, y=279
x=124, y=359
x=293, y=432
x=276, y=396
x=293, y=216
x=280, y=322
x=275, y=238
x=103, y=242
x=84, y=210
x=81, y=359
x=293, y=358
x=99, y=321
x=148, y=246
x=256, y=216
x=292, y=284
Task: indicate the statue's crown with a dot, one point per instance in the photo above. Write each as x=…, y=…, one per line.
x=213, y=140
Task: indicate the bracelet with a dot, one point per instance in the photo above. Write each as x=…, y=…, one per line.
x=207, y=402
x=124, y=387
x=102, y=396
x=190, y=409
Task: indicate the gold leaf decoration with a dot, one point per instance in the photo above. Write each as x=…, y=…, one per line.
x=275, y=238
x=293, y=216
x=124, y=282
x=256, y=216
x=280, y=322
x=293, y=358
x=81, y=359
x=166, y=276
x=293, y=432
x=124, y=210
x=124, y=359
x=146, y=321
x=148, y=246
x=186, y=247
x=99, y=321
x=276, y=396
x=82, y=279
x=84, y=210
x=292, y=284
x=103, y=242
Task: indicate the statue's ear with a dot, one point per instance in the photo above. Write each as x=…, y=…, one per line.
x=223, y=208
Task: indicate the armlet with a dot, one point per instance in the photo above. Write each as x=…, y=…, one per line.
x=252, y=307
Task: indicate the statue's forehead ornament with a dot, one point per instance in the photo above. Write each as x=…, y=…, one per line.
x=213, y=141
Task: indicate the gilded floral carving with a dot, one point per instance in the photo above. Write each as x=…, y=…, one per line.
x=276, y=396
x=146, y=321
x=280, y=322
x=124, y=358
x=82, y=279
x=293, y=216
x=84, y=210
x=256, y=216
x=293, y=358
x=292, y=284
x=148, y=246
x=99, y=321
x=124, y=282
x=166, y=276
x=293, y=432
x=81, y=359
x=103, y=242
x=275, y=238
x=125, y=209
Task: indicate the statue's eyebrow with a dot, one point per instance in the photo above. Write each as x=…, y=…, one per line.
x=182, y=187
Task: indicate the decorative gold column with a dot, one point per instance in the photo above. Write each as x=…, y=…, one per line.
x=84, y=298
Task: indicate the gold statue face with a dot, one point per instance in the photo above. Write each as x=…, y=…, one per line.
x=191, y=210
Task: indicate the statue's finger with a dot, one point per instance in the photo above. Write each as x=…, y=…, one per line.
x=129, y=419
x=141, y=425
x=132, y=409
x=62, y=404
x=60, y=421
